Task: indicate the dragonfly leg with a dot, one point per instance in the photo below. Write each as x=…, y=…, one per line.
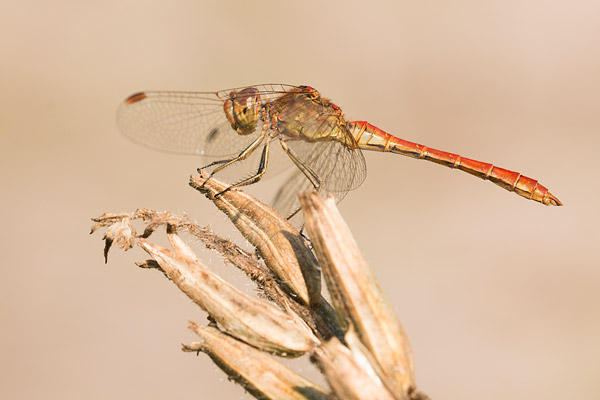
x=242, y=156
x=306, y=170
x=212, y=164
x=292, y=215
x=262, y=168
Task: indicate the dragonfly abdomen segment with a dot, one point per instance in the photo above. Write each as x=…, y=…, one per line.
x=369, y=137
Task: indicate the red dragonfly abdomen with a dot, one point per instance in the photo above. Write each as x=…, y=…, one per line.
x=369, y=137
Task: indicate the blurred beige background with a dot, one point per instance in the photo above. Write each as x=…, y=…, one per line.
x=499, y=295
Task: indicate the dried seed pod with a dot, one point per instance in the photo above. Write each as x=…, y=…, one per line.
x=251, y=319
x=259, y=373
x=278, y=242
x=349, y=373
x=356, y=294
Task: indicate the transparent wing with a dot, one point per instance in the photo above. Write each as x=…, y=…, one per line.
x=187, y=122
x=340, y=166
x=286, y=199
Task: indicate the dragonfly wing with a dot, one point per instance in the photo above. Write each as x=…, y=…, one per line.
x=286, y=200
x=340, y=167
x=187, y=122
x=339, y=164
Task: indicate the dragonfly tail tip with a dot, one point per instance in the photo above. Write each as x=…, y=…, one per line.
x=552, y=200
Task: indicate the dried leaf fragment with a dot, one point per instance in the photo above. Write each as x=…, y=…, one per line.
x=119, y=230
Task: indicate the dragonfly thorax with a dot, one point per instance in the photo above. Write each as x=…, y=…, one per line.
x=242, y=110
x=303, y=114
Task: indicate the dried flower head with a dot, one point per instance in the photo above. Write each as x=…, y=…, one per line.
x=356, y=341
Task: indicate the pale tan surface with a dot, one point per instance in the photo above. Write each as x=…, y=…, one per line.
x=498, y=295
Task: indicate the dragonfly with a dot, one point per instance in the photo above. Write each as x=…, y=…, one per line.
x=236, y=125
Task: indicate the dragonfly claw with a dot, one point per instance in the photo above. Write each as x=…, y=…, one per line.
x=200, y=171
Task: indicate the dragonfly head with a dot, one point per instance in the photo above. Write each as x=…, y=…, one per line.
x=242, y=109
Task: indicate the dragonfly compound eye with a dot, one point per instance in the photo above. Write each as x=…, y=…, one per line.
x=242, y=109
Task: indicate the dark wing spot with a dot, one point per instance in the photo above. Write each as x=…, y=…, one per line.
x=134, y=98
x=212, y=135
